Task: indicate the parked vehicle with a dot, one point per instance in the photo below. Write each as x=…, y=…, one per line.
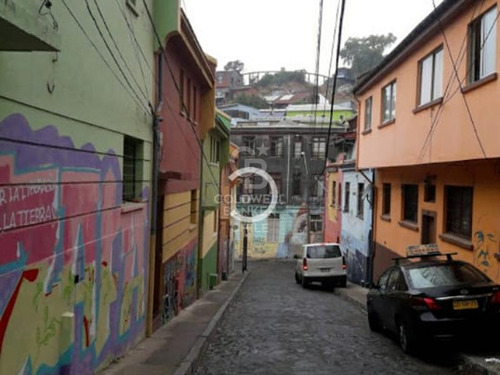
x=321, y=262
x=433, y=299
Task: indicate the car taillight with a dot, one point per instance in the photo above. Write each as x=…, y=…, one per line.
x=344, y=266
x=304, y=264
x=495, y=298
x=427, y=302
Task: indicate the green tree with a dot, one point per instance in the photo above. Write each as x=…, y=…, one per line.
x=363, y=54
x=234, y=65
x=253, y=100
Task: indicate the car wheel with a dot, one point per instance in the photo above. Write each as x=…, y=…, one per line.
x=373, y=321
x=305, y=282
x=406, y=339
x=297, y=278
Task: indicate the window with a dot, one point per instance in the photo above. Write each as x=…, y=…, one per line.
x=340, y=196
x=346, y=198
x=296, y=184
x=361, y=189
x=459, y=210
x=181, y=91
x=386, y=199
x=195, y=104
x=323, y=252
x=316, y=223
x=277, y=179
x=482, y=46
x=273, y=228
x=318, y=147
x=316, y=185
x=188, y=99
x=194, y=207
x=276, y=147
x=410, y=203
x=368, y=113
x=431, y=77
x=249, y=142
x=429, y=192
x=389, y=102
x=247, y=185
x=396, y=281
x=214, y=150
x=297, y=150
x=444, y=275
x=334, y=192
x=132, y=168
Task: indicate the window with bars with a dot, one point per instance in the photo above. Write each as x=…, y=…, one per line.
x=410, y=203
x=318, y=147
x=459, y=210
x=316, y=223
x=482, y=45
x=276, y=148
x=334, y=192
x=249, y=142
x=386, y=199
x=296, y=190
x=277, y=180
x=132, y=162
x=431, y=77
x=361, y=190
x=347, y=193
x=297, y=149
x=273, y=228
x=389, y=102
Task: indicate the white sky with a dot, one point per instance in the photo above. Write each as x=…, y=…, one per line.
x=270, y=34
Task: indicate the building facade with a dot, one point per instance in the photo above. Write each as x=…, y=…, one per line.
x=293, y=156
x=435, y=144
x=75, y=170
x=188, y=112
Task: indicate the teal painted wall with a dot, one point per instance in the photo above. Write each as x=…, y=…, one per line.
x=74, y=274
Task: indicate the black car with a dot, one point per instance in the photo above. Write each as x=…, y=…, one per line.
x=433, y=298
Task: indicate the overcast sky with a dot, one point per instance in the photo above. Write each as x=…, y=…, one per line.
x=271, y=34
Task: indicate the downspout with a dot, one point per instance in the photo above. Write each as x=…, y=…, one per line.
x=154, y=196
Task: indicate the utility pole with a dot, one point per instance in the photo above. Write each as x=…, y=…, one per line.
x=306, y=198
x=245, y=249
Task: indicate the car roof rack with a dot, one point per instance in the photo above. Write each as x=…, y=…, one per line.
x=448, y=256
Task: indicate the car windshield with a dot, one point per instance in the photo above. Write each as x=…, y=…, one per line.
x=442, y=275
x=323, y=251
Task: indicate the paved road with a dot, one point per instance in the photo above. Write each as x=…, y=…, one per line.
x=275, y=326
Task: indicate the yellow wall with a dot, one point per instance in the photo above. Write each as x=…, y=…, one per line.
x=209, y=235
x=483, y=176
x=454, y=139
x=179, y=226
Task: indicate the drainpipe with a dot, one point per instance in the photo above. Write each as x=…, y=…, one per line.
x=154, y=197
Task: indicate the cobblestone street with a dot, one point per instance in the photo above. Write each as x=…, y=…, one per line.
x=275, y=326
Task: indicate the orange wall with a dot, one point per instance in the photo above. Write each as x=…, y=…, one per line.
x=483, y=176
x=401, y=142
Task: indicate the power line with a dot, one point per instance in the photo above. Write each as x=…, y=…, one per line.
x=435, y=120
x=318, y=54
x=132, y=95
x=184, y=107
x=337, y=58
x=144, y=93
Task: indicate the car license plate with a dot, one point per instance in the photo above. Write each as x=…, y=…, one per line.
x=465, y=305
x=325, y=269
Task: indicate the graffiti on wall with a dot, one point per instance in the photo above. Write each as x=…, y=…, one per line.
x=72, y=265
x=485, y=247
x=179, y=279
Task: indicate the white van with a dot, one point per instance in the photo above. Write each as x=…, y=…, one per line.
x=322, y=262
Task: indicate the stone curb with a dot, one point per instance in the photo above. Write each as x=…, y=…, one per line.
x=469, y=361
x=189, y=364
x=344, y=294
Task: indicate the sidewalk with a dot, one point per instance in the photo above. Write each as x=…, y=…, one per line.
x=486, y=363
x=175, y=347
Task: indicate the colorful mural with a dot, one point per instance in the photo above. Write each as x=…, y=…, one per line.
x=73, y=265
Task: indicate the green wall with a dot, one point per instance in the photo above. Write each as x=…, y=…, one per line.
x=208, y=265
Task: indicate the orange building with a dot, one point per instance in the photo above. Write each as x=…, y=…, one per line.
x=428, y=124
